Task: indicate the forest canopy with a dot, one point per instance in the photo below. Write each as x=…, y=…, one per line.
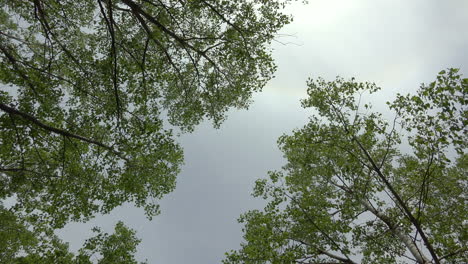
x=85, y=87
x=91, y=90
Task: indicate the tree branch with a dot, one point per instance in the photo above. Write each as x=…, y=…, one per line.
x=58, y=131
x=333, y=256
x=136, y=9
x=382, y=177
x=113, y=53
x=407, y=211
x=456, y=252
x=396, y=230
x=318, y=228
x=14, y=63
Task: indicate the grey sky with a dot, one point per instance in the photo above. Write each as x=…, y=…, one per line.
x=396, y=44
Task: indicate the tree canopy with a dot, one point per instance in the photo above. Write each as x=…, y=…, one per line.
x=86, y=85
x=85, y=89
x=41, y=246
x=358, y=188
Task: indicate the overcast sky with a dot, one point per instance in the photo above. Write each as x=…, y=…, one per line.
x=396, y=44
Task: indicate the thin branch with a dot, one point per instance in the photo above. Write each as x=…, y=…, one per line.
x=333, y=256
x=425, y=184
x=396, y=230
x=15, y=38
x=389, y=138
x=456, y=252
x=19, y=140
x=407, y=211
x=324, y=252
x=14, y=63
x=113, y=54
x=318, y=228
x=48, y=30
x=14, y=170
x=241, y=32
x=58, y=131
x=400, y=201
x=136, y=9
x=158, y=43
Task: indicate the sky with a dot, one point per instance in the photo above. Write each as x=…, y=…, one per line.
x=396, y=44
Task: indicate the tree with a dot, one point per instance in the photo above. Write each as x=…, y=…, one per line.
x=86, y=86
x=26, y=243
x=359, y=189
x=118, y=248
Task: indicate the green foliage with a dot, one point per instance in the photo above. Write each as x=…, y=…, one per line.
x=86, y=84
x=14, y=236
x=24, y=242
x=118, y=248
x=352, y=191
x=84, y=89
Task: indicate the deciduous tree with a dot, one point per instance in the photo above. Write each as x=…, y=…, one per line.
x=361, y=189
x=24, y=242
x=85, y=86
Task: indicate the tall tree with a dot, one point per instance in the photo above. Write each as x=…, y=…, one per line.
x=85, y=86
x=359, y=189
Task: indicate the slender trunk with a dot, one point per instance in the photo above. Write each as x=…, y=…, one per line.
x=397, y=231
